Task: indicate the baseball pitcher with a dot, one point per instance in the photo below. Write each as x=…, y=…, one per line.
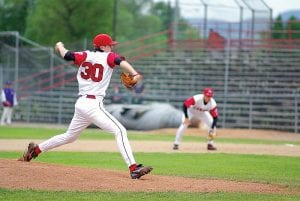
x=95, y=69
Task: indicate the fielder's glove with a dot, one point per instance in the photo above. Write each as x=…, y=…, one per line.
x=6, y=104
x=128, y=80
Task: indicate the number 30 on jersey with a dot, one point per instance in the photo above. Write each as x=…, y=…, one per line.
x=93, y=71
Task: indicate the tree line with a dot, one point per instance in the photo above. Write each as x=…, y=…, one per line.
x=286, y=30
x=47, y=22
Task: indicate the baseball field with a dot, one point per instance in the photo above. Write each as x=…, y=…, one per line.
x=248, y=165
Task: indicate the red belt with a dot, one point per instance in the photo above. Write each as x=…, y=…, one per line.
x=90, y=96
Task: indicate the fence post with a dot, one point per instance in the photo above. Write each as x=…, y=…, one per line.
x=226, y=76
x=224, y=110
x=59, y=109
x=296, y=113
x=1, y=77
x=28, y=110
x=51, y=66
x=250, y=112
x=17, y=46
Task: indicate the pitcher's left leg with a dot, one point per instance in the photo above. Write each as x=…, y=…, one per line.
x=103, y=119
x=106, y=121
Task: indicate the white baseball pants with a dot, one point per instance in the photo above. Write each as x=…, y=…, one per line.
x=202, y=116
x=6, y=115
x=89, y=111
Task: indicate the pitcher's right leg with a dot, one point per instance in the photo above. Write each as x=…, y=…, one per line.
x=76, y=126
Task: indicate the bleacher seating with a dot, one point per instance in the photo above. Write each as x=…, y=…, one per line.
x=172, y=76
x=186, y=74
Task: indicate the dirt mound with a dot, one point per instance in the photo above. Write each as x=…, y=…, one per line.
x=43, y=176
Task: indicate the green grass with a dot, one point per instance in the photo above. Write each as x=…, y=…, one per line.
x=97, y=134
x=25, y=195
x=281, y=170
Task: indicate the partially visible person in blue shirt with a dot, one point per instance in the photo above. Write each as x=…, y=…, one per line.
x=9, y=101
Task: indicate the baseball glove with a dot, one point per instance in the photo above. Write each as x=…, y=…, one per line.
x=127, y=80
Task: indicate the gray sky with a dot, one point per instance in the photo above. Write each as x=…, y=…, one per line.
x=280, y=6
x=228, y=9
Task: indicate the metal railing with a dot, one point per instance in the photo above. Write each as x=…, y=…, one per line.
x=256, y=86
x=251, y=111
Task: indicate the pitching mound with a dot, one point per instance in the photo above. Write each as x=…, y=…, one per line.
x=43, y=176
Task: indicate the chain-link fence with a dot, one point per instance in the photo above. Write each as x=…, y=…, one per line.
x=256, y=79
x=30, y=65
x=247, y=17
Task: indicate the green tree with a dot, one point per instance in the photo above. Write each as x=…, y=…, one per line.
x=125, y=23
x=147, y=25
x=186, y=31
x=293, y=28
x=278, y=29
x=136, y=7
x=135, y=20
x=68, y=20
x=165, y=12
x=13, y=15
x=47, y=22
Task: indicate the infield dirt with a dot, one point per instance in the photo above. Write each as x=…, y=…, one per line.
x=19, y=175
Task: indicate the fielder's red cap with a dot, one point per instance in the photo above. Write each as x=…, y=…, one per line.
x=209, y=92
x=103, y=40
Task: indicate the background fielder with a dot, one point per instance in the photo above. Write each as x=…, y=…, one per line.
x=95, y=69
x=9, y=101
x=204, y=108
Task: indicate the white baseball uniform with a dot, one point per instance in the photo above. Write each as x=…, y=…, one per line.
x=93, y=76
x=197, y=109
x=8, y=95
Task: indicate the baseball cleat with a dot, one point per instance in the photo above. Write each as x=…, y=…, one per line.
x=211, y=147
x=30, y=153
x=175, y=147
x=140, y=171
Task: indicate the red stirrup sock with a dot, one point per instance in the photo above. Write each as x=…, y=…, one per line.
x=132, y=167
x=37, y=150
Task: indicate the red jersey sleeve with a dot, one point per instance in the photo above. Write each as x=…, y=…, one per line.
x=111, y=59
x=80, y=57
x=214, y=112
x=190, y=101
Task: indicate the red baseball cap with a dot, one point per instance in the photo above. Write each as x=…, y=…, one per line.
x=209, y=92
x=103, y=40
